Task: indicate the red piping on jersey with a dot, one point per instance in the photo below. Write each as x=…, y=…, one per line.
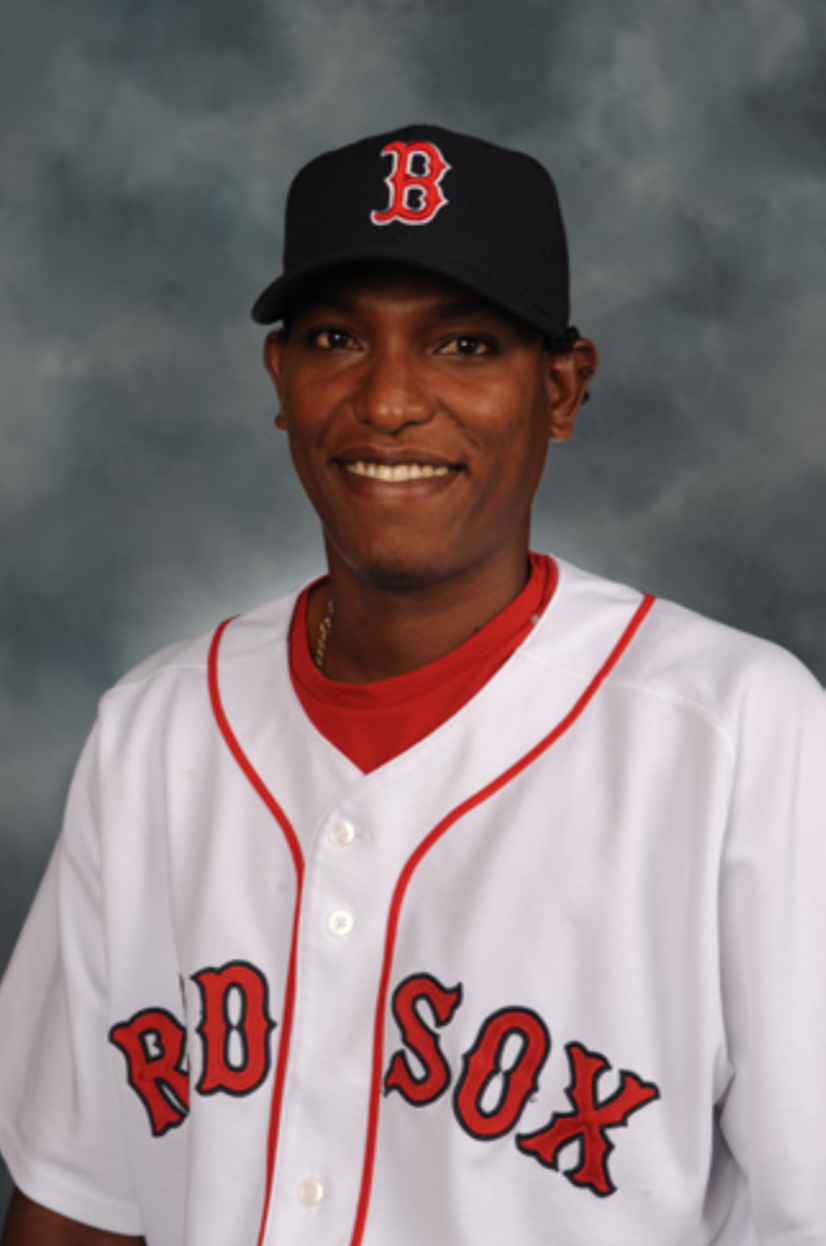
x=415, y=860
x=472, y=802
x=278, y=813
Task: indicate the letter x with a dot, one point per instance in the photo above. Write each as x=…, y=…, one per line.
x=589, y=1120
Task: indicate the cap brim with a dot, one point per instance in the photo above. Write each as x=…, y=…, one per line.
x=274, y=303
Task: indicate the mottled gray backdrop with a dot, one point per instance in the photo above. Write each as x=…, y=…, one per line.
x=144, y=149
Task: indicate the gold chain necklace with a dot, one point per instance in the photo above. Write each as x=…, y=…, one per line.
x=324, y=629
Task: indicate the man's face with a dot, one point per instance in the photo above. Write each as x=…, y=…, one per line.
x=418, y=417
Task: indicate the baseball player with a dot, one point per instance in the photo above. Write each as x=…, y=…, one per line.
x=459, y=897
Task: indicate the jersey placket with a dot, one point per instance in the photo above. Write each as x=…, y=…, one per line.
x=354, y=859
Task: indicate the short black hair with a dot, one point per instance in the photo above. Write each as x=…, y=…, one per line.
x=562, y=345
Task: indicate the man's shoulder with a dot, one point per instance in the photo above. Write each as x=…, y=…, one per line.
x=253, y=633
x=685, y=656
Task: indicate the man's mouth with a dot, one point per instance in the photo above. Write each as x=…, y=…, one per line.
x=396, y=473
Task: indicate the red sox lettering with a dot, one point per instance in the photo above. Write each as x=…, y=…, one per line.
x=414, y=183
x=500, y=1071
x=483, y=1070
x=234, y=1031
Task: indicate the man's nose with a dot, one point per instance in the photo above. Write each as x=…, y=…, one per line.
x=392, y=391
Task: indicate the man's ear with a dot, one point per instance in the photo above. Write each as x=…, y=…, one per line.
x=568, y=376
x=275, y=345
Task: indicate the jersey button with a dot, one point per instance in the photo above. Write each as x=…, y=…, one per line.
x=310, y=1192
x=342, y=833
x=340, y=923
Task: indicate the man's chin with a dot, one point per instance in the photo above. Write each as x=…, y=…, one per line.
x=400, y=577
x=398, y=573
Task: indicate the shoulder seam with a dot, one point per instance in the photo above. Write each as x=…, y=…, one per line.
x=617, y=681
x=129, y=681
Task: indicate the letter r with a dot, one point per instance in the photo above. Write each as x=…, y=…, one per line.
x=154, y=1046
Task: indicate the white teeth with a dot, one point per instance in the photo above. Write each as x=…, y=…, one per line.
x=397, y=473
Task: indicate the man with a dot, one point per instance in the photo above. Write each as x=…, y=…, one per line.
x=461, y=897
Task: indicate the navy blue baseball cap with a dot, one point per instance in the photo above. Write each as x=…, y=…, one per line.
x=482, y=215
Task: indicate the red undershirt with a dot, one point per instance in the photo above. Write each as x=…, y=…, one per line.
x=373, y=723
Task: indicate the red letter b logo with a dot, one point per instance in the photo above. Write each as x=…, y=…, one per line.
x=415, y=184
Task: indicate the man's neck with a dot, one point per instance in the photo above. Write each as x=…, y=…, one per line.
x=379, y=632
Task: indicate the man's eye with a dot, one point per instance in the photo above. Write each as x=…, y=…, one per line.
x=332, y=339
x=467, y=345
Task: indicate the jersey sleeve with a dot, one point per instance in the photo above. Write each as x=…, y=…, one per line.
x=773, y=933
x=60, y=1127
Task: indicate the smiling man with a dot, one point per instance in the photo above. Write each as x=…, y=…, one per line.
x=459, y=897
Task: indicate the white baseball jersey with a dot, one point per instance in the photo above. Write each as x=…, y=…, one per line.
x=553, y=975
